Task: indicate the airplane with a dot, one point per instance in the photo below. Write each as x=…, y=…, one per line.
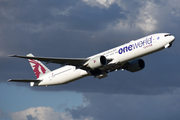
x=125, y=57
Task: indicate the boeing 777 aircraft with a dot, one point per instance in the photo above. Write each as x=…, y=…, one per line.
x=126, y=57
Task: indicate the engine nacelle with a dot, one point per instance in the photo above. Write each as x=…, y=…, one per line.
x=136, y=65
x=97, y=62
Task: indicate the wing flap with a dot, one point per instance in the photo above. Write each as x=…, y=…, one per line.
x=24, y=80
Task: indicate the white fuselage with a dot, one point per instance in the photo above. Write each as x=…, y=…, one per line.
x=121, y=54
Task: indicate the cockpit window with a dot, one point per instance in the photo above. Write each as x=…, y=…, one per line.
x=167, y=35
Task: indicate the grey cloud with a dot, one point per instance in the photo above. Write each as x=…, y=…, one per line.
x=39, y=113
x=69, y=28
x=82, y=31
x=93, y=18
x=30, y=117
x=115, y=106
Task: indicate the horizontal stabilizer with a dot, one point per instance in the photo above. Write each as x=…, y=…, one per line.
x=24, y=80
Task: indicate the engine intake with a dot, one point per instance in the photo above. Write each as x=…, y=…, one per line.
x=136, y=65
x=97, y=62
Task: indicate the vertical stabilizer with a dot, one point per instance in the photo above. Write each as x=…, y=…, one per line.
x=38, y=68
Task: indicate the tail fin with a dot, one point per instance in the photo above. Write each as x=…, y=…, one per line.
x=38, y=68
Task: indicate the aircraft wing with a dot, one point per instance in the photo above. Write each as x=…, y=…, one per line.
x=63, y=61
x=24, y=80
x=78, y=62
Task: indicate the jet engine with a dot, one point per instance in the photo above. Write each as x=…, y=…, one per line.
x=97, y=62
x=136, y=65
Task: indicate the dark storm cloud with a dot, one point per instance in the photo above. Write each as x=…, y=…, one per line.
x=93, y=18
x=36, y=25
x=128, y=107
x=77, y=29
x=68, y=28
x=32, y=11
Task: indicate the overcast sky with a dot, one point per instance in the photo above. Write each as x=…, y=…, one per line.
x=79, y=29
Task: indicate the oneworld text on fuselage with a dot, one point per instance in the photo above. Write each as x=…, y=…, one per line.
x=133, y=46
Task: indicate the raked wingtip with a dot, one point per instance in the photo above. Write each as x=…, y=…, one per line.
x=14, y=55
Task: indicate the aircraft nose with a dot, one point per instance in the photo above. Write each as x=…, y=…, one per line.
x=172, y=39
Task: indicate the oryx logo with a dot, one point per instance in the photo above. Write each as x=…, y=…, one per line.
x=37, y=68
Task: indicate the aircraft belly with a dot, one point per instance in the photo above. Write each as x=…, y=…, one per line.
x=72, y=75
x=65, y=77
